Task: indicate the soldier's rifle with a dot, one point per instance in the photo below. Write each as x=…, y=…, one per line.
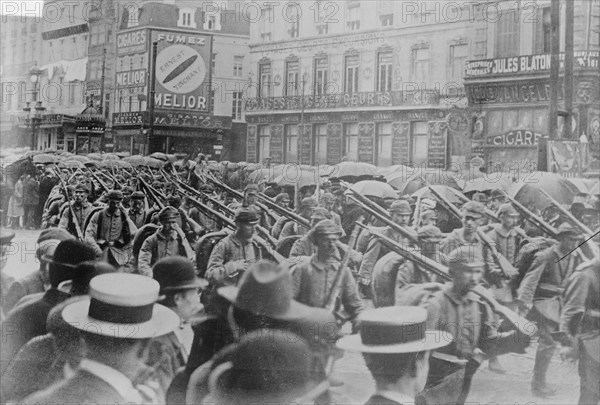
x=426, y=264
x=415, y=219
x=533, y=218
x=232, y=191
x=100, y=182
x=73, y=217
x=154, y=194
x=283, y=211
x=505, y=266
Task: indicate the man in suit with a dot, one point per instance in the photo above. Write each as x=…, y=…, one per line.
x=395, y=345
x=180, y=292
x=123, y=310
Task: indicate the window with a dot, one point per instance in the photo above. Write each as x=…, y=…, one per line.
x=291, y=143
x=353, y=13
x=265, y=84
x=507, y=35
x=543, y=31
x=387, y=20
x=384, y=144
x=213, y=61
x=291, y=78
x=133, y=13
x=420, y=65
x=323, y=28
x=236, y=108
x=292, y=15
x=106, y=105
x=72, y=86
x=480, y=51
x=98, y=35
x=419, y=142
x=211, y=94
x=238, y=65
x=211, y=22
x=264, y=141
x=320, y=145
x=458, y=56
x=320, y=77
x=384, y=71
x=33, y=50
x=351, y=141
x=265, y=24
x=321, y=15
x=351, y=80
x=186, y=17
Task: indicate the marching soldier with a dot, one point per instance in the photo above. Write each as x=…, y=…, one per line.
x=80, y=207
x=137, y=212
x=291, y=228
x=496, y=200
x=231, y=256
x=539, y=296
x=110, y=231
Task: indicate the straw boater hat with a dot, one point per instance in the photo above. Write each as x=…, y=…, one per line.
x=398, y=329
x=122, y=305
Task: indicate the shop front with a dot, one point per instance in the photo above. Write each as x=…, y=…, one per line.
x=53, y=131
x=90, y=132
x=509, y=106
x=401, y=132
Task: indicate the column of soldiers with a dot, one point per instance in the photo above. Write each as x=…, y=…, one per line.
x=256, y=263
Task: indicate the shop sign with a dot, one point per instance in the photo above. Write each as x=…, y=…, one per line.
x=131, y=42
x=527, y=64
x=132, y=78
x=184, y=120
x=129, y=118
x=508, y=93
x=520, y=137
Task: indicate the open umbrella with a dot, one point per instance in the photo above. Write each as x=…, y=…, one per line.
x=172, y=158
x=45, y=158
x=294, y=174
x=110, y=156
x=451, y=194
x=353, y=169
x=374, y=188
x=94, y=156
x=66, y=154
x=526, y=189
x=266, y=174
x=397, y=170
x=489, y=182
x=80, y=158
x=136, y=160
x=408, y=185
x=159, y=156
x=123, y=154
x=72, y=164
x=154, y=163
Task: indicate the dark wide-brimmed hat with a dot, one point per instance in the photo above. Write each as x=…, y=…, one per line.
x=398, y=329
x=122, y=305
x=176, y=273
x=266, y=290
x=69, y=253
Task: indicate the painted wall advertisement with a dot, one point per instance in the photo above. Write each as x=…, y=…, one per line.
x=183, y=73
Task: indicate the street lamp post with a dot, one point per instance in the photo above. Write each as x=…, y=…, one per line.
x=37, y=109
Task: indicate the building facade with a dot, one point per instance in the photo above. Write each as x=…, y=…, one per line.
x=508, y=89
x=200, y=60
x=370, y=81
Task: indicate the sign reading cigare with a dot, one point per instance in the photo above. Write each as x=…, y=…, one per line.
x=182, y=70
x=516, y=138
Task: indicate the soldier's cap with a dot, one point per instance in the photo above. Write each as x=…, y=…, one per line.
x=480, y=197
x=508, y=209
x=566, y=230
x=127, y=189
x=115, y=195
x=246, y=215
x=138, y=195
x=589, y=210
x=320, y=214
x=174, y=199
x=281, y=197
x=308, y=202
x=251, y=187
x=428, y=204
x=176, y=273
x=401, y=207
x=325, y=227
x=82, y=187
x=327, y=197
x=430, y=232
x=474, y=209
x=496, y=193
x=6, y=236
x=168, y=213
x=465, y=257
x=427, y=214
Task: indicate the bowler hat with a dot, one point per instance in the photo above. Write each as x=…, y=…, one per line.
x=398, y=329
x=69, y=253
x=266, y=289
x=121, y=305
x=401, y=207
x=176, y=273
x=246, y=215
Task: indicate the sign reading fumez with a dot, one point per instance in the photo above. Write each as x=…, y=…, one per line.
x=182, y=74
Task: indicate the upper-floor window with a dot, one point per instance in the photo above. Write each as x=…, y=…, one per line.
x=384, y=71
x=291, y=14
x=265, y=84
x=351, y=70
x=266, y=24
x=238, y=65
x=322, y=15
x=236, y=108
x=133, y=13
x=186, y=17
x=212, y=22
x=321, y=75
x=507, y=34
x=543, y=31
x=213, y=61
x=291, y=77
x=353, y=13
x=459, y=54
x=420, y=64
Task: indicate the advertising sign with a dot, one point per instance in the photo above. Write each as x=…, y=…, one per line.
x=516, y=138
x=132, y=42
x=182, y=71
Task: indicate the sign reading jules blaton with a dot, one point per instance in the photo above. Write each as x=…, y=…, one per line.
x=183, y=73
